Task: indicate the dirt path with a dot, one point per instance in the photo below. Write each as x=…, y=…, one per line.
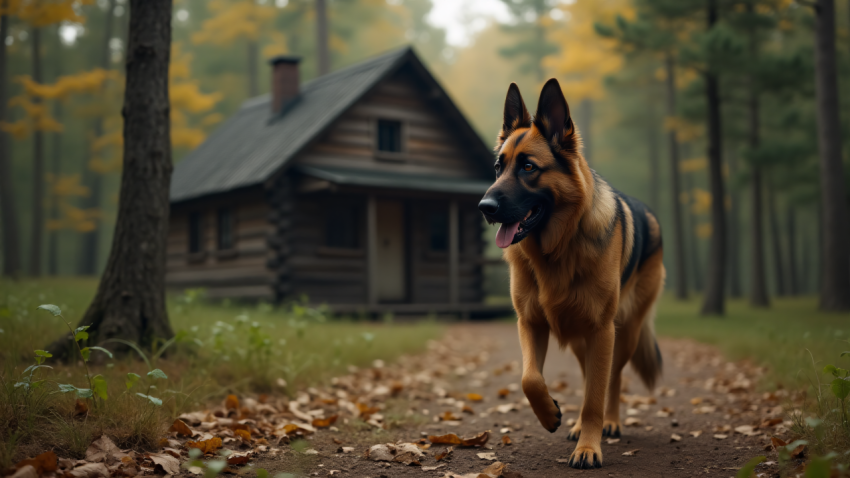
x=700, y=392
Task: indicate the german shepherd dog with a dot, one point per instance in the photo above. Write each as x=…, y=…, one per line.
x=585, y=264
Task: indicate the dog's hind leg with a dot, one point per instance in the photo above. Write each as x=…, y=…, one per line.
x=624, y=347
x=534, y=341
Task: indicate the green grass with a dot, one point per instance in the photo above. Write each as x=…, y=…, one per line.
x=221, y=348
x=785, y=337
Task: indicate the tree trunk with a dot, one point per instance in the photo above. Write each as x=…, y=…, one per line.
x=793, y=278
x=835, y=282
x=91, y=240
x=681, y=286
x=714, y=303
x=37, y=225
x=733, y=241
x=758, y=284
x=56, y=158
x=130, y=300
x=805, y=263
x=587, y=129
x=8, y=209
x=775, y=242
x=322, y=37
x=654, y=160
x=253, y=58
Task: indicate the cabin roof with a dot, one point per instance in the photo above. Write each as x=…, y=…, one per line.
x=253, y=145
x=396, y=180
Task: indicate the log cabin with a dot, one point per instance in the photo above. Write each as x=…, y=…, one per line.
x=358, y=190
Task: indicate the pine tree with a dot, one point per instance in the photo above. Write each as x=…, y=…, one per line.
x=532, y=42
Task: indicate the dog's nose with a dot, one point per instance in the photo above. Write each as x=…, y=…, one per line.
x=488, y=206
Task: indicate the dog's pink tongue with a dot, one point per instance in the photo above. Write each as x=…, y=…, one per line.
x=506, y=234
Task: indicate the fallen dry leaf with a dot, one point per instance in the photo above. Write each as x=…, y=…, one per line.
x=770, y=422
x=231, y=402
x=506, y=440
x=407, y=453
x=346, y=449
x=631, y=452
x=168, y=463
x=47, y=462
x=235, y=459
x=433, y=468
x=474, y=397
x=696, y=401
x=720, y=436
x=101, y=449
x=612, y=441
x=444, y=454
x=90, y=470
x=487, y=456
x=495, y=469
x=674, y=437
x=245, y=435
x=452, y=439
x=777, y=442
x=799, y=452
x=696, y=433
x=558, y=386
x=504, y=392
x=206, y=446
x=449, y=417
x=81, y=407
x=180, y=427
x=632, y=422
x=26, y=471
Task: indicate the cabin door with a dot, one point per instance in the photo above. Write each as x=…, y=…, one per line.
x=391, y=282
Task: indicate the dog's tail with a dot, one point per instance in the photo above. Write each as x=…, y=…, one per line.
x=646, y=360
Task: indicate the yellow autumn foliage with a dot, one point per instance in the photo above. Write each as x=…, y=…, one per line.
x=233, y=20
x=701, y=201
x=75, y=218
x=41, y=13
x=693, y=165
x=585, y=58
x=67, y=185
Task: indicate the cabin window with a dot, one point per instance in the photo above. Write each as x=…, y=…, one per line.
x=196, y=232
x=225, y=229
x=342, y=226
x=389, y=136
x=439, y=232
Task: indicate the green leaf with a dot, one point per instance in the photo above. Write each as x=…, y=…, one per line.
x=262, y=473
x=86, y=353
x=67, y=387
x=747, y=470
x=81, y=328
x=99, y=385
x=107, y=352
x=830, y=369
x=157, y=373
x=846, y=352
x=214, y=467
x=50, y=308
x=81, y=336
x=84, y=393
x=153, y=400
x=43, y=353
x=840, y=388
x=131, y=380
x=820, y=467
x=23, y=384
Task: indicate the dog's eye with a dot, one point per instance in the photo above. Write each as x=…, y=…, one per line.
x=528, y=167
x=497, y=166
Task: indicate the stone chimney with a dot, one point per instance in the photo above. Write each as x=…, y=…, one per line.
x=285, y=80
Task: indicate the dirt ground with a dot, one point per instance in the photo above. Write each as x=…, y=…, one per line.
x=700, y=393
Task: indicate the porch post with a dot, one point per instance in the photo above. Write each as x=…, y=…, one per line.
x=454, y=253
x=372, y=249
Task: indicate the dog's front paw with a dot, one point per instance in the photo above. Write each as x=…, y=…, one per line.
x=550, y=417
x=611, y=429
x=585, y=457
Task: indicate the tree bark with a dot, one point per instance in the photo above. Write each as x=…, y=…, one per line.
x=775, y=242
x=91, y=240
x=733, y=241
x=56, y=157
x=791, y=228
x=835, y=275
x=758, y=284
x=654, y=160
x=37, y=225
x=681, y=286
x=714, y=303
x=322, y=37
x=130, y=300
x=8, y=208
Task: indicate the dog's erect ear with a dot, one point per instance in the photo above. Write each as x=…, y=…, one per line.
x=553, y=114
x=515, y=116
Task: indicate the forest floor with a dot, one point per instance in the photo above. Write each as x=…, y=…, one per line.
x=706, y=418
